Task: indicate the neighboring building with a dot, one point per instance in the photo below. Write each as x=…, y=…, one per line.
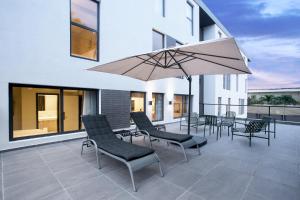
x=293, y=92
x=48, y=45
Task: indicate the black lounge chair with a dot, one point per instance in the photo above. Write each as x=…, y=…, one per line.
x=146, y=127
x=101, y=136
x=251, y=130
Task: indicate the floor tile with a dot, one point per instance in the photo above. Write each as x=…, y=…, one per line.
x=33, y=190
x=95, y=188
x=270, y=190
x=77, y=174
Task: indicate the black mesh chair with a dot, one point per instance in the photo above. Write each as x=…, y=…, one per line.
x=251, y=130
x=227, y=121
x=102, y=138
x=146, y=127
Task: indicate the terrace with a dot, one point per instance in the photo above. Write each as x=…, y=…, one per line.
x=225, y=170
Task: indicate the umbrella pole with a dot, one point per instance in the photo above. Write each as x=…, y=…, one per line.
x=189, y=111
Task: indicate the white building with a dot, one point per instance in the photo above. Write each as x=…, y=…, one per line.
x=46, y=47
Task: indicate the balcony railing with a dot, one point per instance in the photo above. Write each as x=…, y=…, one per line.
x=282, y=113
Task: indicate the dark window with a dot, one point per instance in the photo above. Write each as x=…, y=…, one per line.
x=160, y=7
x=157, y=107
x=219, y=106
x=226, y=82
x=85, y=29
x=37, y=111
x=190, y=17
x=158, y=40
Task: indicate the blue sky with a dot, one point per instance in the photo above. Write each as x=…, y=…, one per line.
x=269, y=32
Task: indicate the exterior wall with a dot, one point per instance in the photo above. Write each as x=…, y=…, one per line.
x=36, y=37
x=214, y=83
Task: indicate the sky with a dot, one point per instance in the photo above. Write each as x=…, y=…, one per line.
x=269, y=32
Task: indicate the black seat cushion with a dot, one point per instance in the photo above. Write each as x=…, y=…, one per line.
x=99, y=130
x=123, y=149
x=170, y=136
x=143, y=123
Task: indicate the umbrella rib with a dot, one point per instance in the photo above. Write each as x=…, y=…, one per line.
x=147, y=61
x=179, y=65
x=182, y=61
x=139, y=64
x=155, y=66
x=167, y=65
x=204, y=54
x=216, y=63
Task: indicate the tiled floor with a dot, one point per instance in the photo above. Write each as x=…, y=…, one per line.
x=225, y=170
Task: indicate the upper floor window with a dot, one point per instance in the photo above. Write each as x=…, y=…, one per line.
x=160, y=7
x=158, y=40
x=220, y=34
x=85, y=29
x=190, y=17
x=237, y=82
x=226, y=81
x=241, y=106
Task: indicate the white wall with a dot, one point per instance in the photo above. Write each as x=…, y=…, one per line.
x=215, y=83
x=35, y=49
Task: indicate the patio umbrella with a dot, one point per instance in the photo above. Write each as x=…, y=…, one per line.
x=220, y=56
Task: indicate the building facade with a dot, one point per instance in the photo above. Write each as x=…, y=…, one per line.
x=48, y=45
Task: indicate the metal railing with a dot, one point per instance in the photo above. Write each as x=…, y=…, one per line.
x=284, y=113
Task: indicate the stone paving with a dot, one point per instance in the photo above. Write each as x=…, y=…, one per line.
x=225, y=170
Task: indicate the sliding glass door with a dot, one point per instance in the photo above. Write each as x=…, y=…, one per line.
x=157, y=107
x=37, y=111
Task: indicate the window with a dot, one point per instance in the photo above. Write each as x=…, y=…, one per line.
x=246, y=85
x=37, y=111
x=190, y=17
x=84, y=29
x=228, y=105
x=138, y=101
x=158, y=40
x=160, y=7
x=157, y=107
x=180, y=105
x=220, y=34
x=237, y=82
x=219, y=106
x=226, y=81
x=241, y=106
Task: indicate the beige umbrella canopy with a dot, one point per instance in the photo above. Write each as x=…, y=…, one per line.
x=209, y=57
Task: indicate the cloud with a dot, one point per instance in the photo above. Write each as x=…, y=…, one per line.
x=261, y=79
x=275, y=8
x=263, y=47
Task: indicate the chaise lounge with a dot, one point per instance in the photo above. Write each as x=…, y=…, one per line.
x=184, y=141
x=101, y=136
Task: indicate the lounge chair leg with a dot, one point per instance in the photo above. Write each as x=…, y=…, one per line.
x=150, y=142
x=98, y=160
x=82, y=147
x=184, y=153
x=132, y=179
x=198, y=148
x=159, y=165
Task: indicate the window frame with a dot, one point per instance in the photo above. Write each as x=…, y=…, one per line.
x=61, y=108
x=86, y=28
x=191, y=21
x=163, y=106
